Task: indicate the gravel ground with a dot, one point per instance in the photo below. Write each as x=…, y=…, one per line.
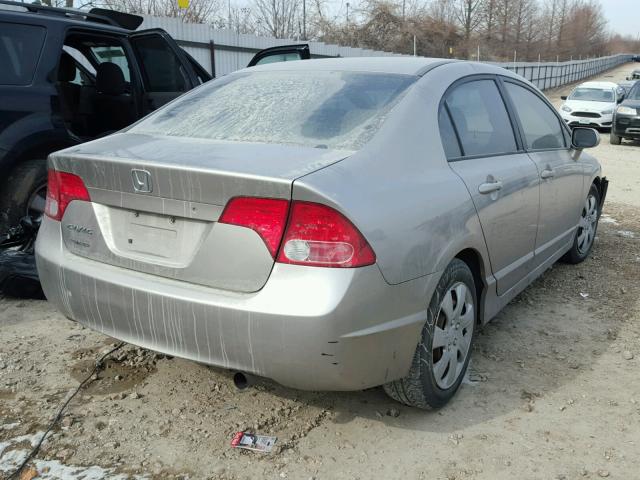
x=552, y=393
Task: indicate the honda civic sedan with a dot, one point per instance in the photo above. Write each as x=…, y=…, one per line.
x=330, y=224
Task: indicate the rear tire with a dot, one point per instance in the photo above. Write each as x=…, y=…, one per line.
x=614, y=139
x=442, y=356
x=587, y=229
x=23, y=193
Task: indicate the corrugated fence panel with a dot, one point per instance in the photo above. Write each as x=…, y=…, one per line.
x=233, y=51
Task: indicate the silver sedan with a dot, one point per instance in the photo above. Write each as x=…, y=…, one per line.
x=331, y=224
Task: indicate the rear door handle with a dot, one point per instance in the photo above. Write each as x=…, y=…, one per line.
x=547, y=173
x=490, y=187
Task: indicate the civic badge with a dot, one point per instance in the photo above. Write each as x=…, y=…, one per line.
x=141, y=181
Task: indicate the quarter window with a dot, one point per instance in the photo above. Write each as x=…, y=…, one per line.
x=541, y=127
x=481, y=119
x=20, y=47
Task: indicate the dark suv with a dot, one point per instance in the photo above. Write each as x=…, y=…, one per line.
x=67, y=77
x=626, y=118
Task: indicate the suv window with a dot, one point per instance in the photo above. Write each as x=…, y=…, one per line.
x=20, y=47
x=481, y=119
x=162, y=69
x=541, y=127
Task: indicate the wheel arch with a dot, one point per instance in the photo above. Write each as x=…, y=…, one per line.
x=474, y=261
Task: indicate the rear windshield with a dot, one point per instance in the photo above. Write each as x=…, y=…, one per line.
x=318, y=109
x=592, y=95
x=20, y=47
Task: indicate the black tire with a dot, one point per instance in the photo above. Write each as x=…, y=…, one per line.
x=614, y=139
x=18, y=188
x=577, y=254
x=420, y=387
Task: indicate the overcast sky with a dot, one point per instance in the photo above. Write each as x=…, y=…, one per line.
x=623, y=15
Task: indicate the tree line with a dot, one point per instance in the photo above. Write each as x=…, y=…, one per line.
x=491, y=30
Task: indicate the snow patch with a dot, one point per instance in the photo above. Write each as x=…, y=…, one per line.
x=52, y=469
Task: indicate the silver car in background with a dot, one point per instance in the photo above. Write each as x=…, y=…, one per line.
x=330, y=224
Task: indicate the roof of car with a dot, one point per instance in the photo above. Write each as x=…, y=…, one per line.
x=602, y=85
x=399, y=65
x=24, y=16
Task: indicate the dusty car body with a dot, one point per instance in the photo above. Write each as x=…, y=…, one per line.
x=147, y=250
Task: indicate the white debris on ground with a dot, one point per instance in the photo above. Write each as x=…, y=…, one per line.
x=604, y=218
x=11, y=458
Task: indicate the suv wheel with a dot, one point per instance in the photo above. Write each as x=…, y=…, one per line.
x=442, y=356
x=23, y=193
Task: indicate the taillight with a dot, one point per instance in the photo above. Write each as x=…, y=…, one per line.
x=62, y=189
x=267, y=216
x=318, y=235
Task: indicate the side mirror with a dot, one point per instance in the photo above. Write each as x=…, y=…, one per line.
x=620, y=98
x=582, y=137
x=563, y=97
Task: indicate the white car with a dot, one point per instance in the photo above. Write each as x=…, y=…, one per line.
x=591, y=104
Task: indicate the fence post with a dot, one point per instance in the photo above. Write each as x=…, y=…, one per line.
x=212, y=51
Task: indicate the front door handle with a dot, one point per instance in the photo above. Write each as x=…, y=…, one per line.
x=490, y=187
x=547, y=173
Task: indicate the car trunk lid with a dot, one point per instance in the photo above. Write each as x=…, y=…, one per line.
x=155, y=202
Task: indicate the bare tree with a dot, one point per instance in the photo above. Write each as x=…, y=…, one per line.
x=277, y=18
x=469, y=15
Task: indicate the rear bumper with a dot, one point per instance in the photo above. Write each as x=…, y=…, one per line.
x=307, y=328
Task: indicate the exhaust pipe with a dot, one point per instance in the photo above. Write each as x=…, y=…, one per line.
x=242, y=381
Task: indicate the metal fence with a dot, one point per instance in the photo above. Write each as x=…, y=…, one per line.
x=223, y=51
x=555, y=74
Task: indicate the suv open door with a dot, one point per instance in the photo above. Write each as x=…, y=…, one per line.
x=283, y=53
x=166, y=70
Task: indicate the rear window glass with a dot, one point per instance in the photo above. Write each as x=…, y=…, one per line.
x=20, y=47
x=318, y=109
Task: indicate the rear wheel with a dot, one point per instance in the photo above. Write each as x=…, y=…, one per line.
x=614, y=139
x=442, y=356
x=587, y=228
x=23, y=193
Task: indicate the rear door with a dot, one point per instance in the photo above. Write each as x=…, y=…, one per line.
x=166, y=72
x=283, y=53
x=503, y=181
x=561, y=179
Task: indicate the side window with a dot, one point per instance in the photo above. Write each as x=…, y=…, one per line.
x=281, y=57
x=114, y=54
x=481, y=119
x=541, y=127
x=20, y=47
x=448, y=135
x=162, y=69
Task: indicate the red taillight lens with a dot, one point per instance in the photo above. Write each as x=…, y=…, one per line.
x=320, y=236
x=267, y=216
x=62, y=189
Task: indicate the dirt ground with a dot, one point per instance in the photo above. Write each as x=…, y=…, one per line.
x=553, y=390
